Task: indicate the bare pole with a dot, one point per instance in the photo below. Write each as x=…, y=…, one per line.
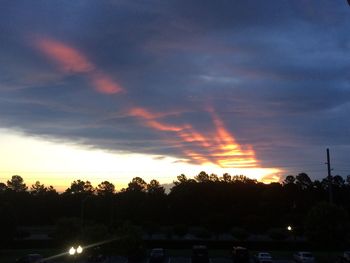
x=329, y=178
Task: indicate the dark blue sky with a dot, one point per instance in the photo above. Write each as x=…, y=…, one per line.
x=160, y=77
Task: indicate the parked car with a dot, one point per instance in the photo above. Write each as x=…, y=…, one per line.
x=345, y=258
x=304, y=257
x=157, y=255
x=31, y=258
x=263, y=257
x=136, y=255
x=240, y=255
x=199, y=254
x=97, y=258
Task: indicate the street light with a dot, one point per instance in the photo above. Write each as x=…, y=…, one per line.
x=72, y=251
x=291, y=230
x=79, y=249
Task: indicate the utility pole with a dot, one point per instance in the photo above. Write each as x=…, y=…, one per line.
x=329, y=178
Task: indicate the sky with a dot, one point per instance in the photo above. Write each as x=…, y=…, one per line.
x=110, y=90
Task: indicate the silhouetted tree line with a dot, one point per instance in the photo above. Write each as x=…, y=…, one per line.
x=217, y=204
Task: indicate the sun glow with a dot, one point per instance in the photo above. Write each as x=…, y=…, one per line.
x=60, y=163
x=216, y=147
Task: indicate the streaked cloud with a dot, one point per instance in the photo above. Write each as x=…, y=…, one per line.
x=219, y=147
x=68, y=59
x=72, y=61
x=229, y=84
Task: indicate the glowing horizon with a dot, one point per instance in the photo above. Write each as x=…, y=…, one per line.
x=58, y=164
x=216, y=151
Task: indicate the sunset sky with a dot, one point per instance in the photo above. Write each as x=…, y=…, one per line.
x=110, y=90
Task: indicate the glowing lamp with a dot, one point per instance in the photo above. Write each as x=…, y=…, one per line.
x=79, y=250
x=72, y=251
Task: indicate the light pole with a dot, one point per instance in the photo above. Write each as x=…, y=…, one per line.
x=291, y=230
x=82, y=211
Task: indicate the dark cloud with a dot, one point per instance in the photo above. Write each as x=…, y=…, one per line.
x=276, y=73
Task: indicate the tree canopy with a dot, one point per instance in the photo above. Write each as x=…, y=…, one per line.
x=209, y=202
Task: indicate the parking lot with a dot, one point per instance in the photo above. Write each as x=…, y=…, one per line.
x=213, y=260
x=180, y=259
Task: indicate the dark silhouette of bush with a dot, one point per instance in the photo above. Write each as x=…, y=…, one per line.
x=94, y=233
x=201, y=232
x=180, y=230
x=327, y=225
x=239, y=233
x=7, y=223
x=67, y=230
x=278, y=234
x=128, y=239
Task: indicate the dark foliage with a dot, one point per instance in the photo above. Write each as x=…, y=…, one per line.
x=327, y=224
x=211, y=204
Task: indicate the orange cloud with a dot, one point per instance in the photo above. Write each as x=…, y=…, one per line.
x=191, y=136
x=230, y=153
x=104, y=84
x=198, y=158
x=150, y=120
x=70, y=60
x=219, y=148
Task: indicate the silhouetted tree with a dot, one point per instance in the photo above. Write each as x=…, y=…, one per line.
x=213, y=178
x=80, y=186
x=303, y=180
x=243, y=179
x=3, y=187
x=202, y=177
x=227, y=178
x=180, y=179
x=137, y=184
x=348, y=179
x=155, y=188
x=38, y=189
x=216, y=205
x=105, y=188
x=16, y=184
x=338, y=181
x=290, y=179
x=51, y=190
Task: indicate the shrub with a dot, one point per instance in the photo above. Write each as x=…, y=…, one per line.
x=239, y=233
x=278, y=234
